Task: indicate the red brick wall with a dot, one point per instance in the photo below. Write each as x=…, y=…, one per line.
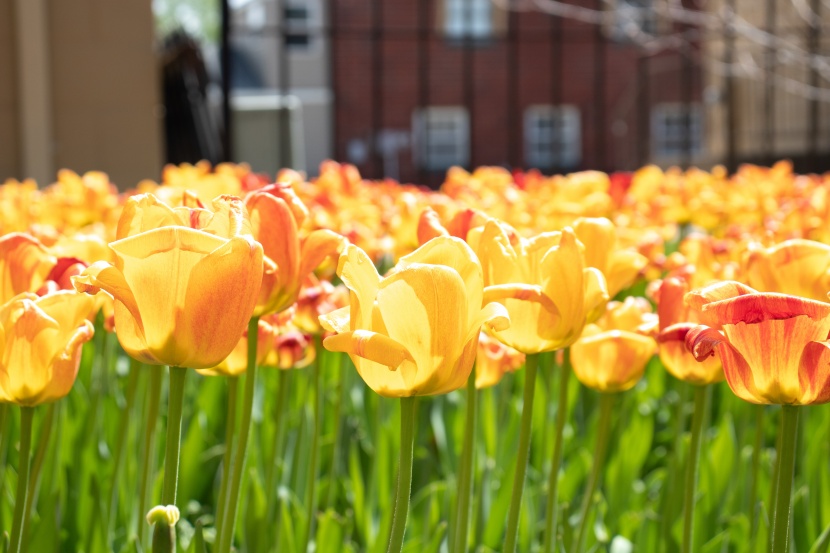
x=384, y=96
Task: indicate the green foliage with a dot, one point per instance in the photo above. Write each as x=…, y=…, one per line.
x=638, y=508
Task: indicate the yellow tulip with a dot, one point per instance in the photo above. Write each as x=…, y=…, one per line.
x=185, y=281
x=612, y=354
x=276, y=217
x=795, y=267
x=543, y=282
x=619, y=266
x=40, y=345
x=414, y=332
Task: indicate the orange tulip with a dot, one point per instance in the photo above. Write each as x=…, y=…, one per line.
x=612, y=354
x=40, y=345
x=494, y=360
x=414, y=332
x=676, y=320
x=276, y=217
x=24, y=265
x=236, y=363
x=773, y=347
x=543, y=282
x=185, y=281
x=795, y=267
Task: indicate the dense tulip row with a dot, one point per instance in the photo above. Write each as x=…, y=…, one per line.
x=708, y=275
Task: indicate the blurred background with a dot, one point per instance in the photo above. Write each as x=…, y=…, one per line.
x=408, y=88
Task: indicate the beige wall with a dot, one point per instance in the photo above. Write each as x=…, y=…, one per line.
x=9, y=155
x=104, y=89
x=791, y=110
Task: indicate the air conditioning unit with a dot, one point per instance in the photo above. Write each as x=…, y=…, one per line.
x=267, y=131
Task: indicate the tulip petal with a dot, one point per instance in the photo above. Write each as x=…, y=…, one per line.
x=337, y=321
x=596, y=294
x=521, y=292
x=369, y=345
x=452, y=252
x=716, y=292
x=704, y=341
x=670, y=307
x=623, y=268
x=429, y=226
x=210, y=334
x=276, y=229
x=142, y=213
x=317, y=246
x=814, y=373
x=103, y=276
x=422, y=306
x=359, y=275
x=611, y=361
x=757, y=308
x=24, y=264
x=599, y=236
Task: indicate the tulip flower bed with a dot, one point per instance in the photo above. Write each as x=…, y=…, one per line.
x=577, y=363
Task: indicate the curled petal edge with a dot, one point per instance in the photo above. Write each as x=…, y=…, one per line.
x=522, y=292
x=371, y=346
x=702, y=340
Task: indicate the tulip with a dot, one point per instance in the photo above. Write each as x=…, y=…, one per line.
x=795, y=267
x=676, y=320
x=611, y=357
x=171, y=267
x=24, y=265
x=494, y=360
x=412, y=333
x=543, y=282
x=236, y=362
x=619, y=266
x=40, y=351
x=774, y=349
x=276, y=217
x=612, y=354
x=40, y=342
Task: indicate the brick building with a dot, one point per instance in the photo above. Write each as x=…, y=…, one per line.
x=420, y=86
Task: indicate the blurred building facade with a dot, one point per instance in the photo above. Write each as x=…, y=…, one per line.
x=81, y=90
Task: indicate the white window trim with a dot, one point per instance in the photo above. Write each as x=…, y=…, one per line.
x=568, y=124
x=312, y=27
x=659, y=113
x=422, y=118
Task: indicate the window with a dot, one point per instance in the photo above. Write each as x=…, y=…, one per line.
x=441, y=137
x=468, y=19
x=676, y=130
x=632, y=19
x=297, y=30
x=552, y=137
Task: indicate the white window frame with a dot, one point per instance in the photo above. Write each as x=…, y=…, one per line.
x=468, y=19
x=664, y=136
x=427, y=137
x=563, y=145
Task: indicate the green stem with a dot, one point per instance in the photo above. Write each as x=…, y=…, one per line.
x=22, y=497
x=753, y=481
x=148, y=453
x=552, y=512
x=174, y=434
x=272, y=479
x=465, y=474
x=242, y=445
x=701, y=407
x=781, y=522
x=227, y=456
x=404, y=475
x=338, y=432
x=531, y=364
x=311, y=506
x=37, y=466
x=120, y=442
x=606, y=405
